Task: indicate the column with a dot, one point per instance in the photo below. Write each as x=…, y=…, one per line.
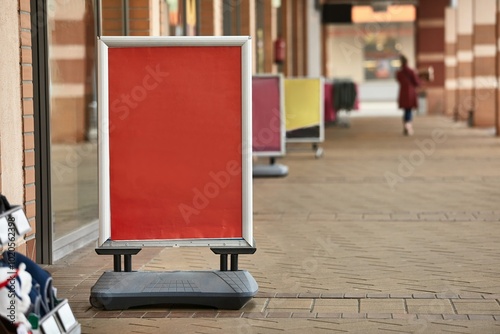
x=431, y=50
x=11, y=95
x=450, y=61
x=265, y=35
x=112, y=18
x=314, y=39
x=298, y=29
x=211, y=18
x=465, y=87
x=287, y=32
x=497, y=111
x=28, y=124
x=247, y=25
x=140, y=22
x=270, y=35
x=324, y=50
x=484, y=58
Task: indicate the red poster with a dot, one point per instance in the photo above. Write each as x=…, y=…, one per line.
x=175, y=133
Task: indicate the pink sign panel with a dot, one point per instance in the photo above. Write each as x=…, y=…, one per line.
x=267, y=115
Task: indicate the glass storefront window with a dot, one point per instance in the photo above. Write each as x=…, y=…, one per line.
x=71, y=56
x=368, y=52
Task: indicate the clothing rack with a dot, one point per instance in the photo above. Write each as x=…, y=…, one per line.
x=343, y=96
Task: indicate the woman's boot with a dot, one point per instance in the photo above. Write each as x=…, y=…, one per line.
x=408, y=131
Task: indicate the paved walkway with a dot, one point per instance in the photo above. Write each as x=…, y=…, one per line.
x=384, y=233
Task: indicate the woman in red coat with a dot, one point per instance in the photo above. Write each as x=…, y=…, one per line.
x=407, y=98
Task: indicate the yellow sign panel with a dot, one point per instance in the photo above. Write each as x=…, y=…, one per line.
x=302, y=103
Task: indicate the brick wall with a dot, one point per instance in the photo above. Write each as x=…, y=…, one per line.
x=139, y=17
x=112, y=18
x=28, y=123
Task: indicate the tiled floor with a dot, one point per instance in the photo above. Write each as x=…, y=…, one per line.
x=384, y=233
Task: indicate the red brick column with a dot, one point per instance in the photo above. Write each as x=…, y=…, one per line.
x=431, y=50
x=465, y=76
x=286, y=29
x=299, y=37
x=450, y=61
x=211, y=22
x=270, y=35
x=294, y=28
x=485, y=81
x=247, y=28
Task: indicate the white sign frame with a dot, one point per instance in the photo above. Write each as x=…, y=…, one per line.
x=104, y=44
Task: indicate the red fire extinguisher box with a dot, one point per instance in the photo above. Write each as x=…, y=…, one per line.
x=279, y=50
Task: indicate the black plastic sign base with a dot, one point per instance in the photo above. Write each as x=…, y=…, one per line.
x=218, y=289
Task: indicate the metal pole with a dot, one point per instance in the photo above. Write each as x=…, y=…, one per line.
x=98, y=17
x=41, y=85
x=126, y=24
x=198, y=17
x=184, y=17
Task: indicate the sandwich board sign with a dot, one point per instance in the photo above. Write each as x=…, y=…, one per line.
x=268, y=115
x=268, y=123
x=304, y=110
x=175, y=165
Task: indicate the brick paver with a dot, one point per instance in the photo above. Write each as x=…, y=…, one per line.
x=383, y=233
